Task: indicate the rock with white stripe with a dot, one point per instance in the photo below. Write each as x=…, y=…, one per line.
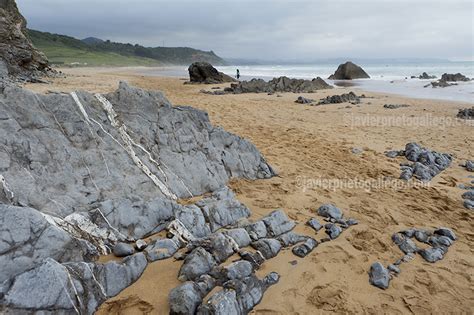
x=70, y=288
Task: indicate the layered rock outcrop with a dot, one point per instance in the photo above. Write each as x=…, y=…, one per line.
x=81, y=172
x=18, y=58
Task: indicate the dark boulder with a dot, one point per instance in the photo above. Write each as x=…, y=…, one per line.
x=330, y=211
x=432, y=254
x=291, y=238
x=305, y=248
x=161, y=249
x=445, y=232
x=466, y=113
x=198, y=263
x=349, y=71
x=256, y=230
x=303, y=100
x=123, y=250
x=333, y=230
x=255, y=258
x=379, y=276
x=269, y=247
x=314, y=223
x=447, y=77
x=204, y=72
x=405, y=244
x=186, y=298
x=277, y=223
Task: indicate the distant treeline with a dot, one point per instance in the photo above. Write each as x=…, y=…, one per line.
x=163, y=55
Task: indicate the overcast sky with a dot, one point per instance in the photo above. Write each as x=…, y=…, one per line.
x=264, y=29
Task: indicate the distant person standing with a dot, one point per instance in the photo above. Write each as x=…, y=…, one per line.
x=238, y=74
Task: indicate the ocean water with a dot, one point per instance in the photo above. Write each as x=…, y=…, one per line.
x=392, y=78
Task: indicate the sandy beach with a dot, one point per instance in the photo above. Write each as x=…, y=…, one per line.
x=311, y=148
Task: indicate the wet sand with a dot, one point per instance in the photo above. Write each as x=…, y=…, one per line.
x=305, y=144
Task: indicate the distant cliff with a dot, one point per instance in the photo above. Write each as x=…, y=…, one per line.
x=62, y=49
x=18, y=57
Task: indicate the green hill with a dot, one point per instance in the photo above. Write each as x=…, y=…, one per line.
x=66, y=50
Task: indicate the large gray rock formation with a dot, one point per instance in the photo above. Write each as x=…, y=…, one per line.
x=27, y=238
x=18, y=57
x=70, y=288
x=204, y=72
x=349, y=71
x=80, y=173
x=281, y=84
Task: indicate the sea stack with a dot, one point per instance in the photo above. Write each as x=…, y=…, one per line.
x=18, y=58
x=204, y=72
x=349, y=71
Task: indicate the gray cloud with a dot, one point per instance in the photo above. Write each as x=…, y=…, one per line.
x=298, y=29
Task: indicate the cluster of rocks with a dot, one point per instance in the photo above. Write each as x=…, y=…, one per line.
x=205, y=73
x=424, y=76
x=439, y=241
x=19, y=60
x=446, y=78
x=276, y=85
x=466, y=113
x=395, y=106
x=240, y=290
x=350, y=97
x=349, y=71
x=81, y=173
x=335, y=225
x=281, y=84
x=426, y=163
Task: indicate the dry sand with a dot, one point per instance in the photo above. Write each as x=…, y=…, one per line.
x=305, y=143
